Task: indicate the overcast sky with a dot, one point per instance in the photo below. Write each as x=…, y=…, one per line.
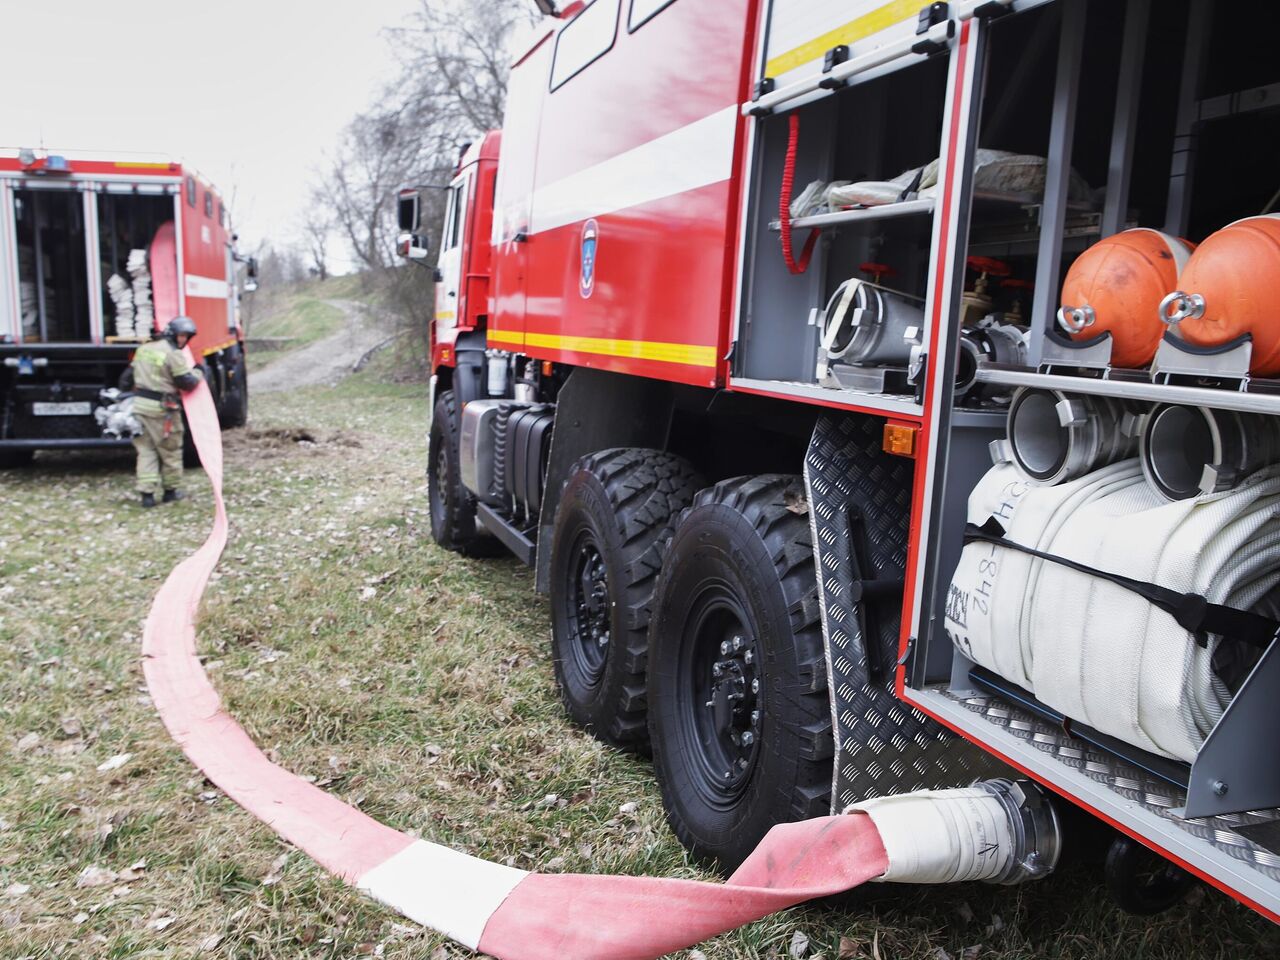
x=252, y=93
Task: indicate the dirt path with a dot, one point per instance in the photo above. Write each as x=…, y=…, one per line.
x=326, y=361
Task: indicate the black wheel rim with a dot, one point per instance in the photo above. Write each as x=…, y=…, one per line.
x=588, y=609
x=435, y=497
x=719, y=704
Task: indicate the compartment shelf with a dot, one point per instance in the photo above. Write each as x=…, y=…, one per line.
x=1137, y=388
x=903, y=208
x=884, y=211
x=1143, y=805
x=893, y=405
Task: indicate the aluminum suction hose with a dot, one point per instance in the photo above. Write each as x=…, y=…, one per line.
x=1188, y=451
x=1054, y=436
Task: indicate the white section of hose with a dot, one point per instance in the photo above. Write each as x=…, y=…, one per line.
x=1094, y=651
x=943, y=836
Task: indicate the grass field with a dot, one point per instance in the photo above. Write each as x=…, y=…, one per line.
x=410, y=682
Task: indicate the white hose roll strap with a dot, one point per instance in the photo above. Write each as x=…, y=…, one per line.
x=1193, y=612
x=943, y=836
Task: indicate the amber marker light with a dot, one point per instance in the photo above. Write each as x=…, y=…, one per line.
x=900, y=438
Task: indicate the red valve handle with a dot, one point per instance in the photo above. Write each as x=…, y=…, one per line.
x=991, y=267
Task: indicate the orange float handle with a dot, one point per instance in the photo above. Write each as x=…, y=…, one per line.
x=1179, y=306
x=1076, y=319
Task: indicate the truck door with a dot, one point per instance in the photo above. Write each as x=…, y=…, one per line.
x=450, y=261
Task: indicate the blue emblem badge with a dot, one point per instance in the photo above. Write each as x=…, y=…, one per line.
x=587, y=273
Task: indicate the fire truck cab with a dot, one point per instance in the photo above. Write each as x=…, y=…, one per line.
x=776, y=294
x=96, y=256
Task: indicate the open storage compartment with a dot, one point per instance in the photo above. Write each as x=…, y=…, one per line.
x=53, y=278
x=857, y=193
x=1131, y=144
x=128, y=220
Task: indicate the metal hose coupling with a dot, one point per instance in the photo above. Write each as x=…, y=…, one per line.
x=1053, y=437
x=1000, y=831
x=1189, y=451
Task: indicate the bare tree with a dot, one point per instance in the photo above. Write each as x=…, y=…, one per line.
x=454, y=57
x=316, y=228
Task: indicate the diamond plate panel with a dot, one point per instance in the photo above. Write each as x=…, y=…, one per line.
x=882, y=745
x=1129, y=782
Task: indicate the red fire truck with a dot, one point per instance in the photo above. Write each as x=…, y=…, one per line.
x=97, y=255
x=749, y=308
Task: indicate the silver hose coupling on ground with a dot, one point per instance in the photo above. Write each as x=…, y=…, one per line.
x=1188, y=451
x=1053, y=437
x=1000, y=831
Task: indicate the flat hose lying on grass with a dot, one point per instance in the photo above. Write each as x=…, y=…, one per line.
x=516, y=915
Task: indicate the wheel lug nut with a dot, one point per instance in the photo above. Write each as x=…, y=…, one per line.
x=755, y=685
x=737, y=643
x=748, y=656
x=725, y=647
x=717, y=669
x=755, y=717
x=748, y=738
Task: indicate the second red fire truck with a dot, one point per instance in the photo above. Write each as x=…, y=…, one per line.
x=97, y=254
x=851, y=376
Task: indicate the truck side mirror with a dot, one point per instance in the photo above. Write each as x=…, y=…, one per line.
x=412, y=246
x=251, y=275
x=407, y=210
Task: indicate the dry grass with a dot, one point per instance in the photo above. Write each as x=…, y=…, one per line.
x=428, y=704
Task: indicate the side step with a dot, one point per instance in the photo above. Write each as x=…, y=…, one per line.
x=512, y=537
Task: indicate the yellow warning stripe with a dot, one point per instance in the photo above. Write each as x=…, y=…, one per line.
x=685, y=353
x=853, y=31
x=444, y=314
x=130, y=164
x=221, y=346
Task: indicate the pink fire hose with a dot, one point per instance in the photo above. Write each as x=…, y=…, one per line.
x=512, y=914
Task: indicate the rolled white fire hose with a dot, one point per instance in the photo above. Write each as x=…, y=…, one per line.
x=1087, y=647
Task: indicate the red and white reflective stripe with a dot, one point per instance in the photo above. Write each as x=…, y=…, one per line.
x=694, y=156
x=504, y=912
x=210, y=288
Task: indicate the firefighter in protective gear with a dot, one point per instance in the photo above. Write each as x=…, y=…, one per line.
x=159, y=371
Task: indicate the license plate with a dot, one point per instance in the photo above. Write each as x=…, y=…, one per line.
x=80, y=408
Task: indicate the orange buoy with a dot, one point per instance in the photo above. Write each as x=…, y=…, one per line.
x=1229, y=288
x=1116, y=287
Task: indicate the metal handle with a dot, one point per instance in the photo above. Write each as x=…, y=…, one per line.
x=1179, y=306
x=1075, y=319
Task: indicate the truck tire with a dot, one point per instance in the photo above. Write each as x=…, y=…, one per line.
x=453, y=509
x=738, y=712
x=234, y=411
x=190, y=455
x=614, y=517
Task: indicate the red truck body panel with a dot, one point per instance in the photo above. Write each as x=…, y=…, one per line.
x=646, y=177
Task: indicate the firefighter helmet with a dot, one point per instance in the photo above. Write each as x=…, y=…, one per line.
x=179, y=326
